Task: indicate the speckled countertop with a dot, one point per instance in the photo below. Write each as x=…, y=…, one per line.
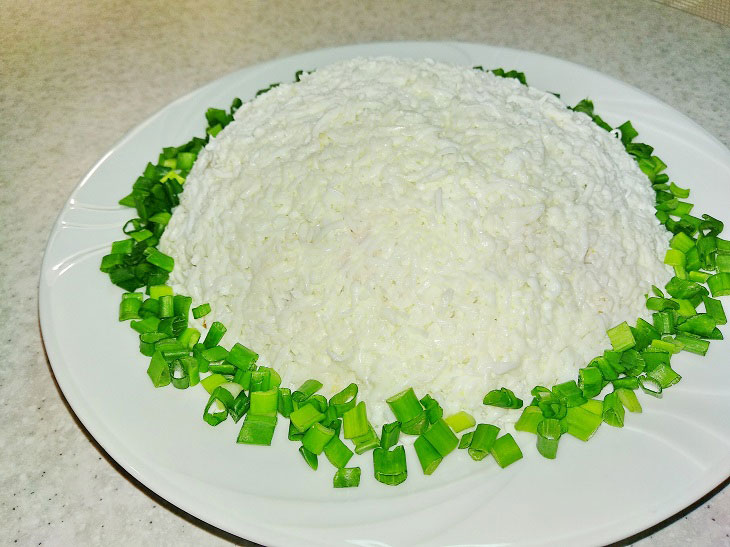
x=76, y=76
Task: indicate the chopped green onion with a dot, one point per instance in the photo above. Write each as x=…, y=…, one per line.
x=613, y=410
x=215, y=353
x=433, y=408
x=405, y=407
x=366, y=442
x=506, y=451
x=649, y=386
x=215, y=334
x=482, y=441
x=216, y=411
x=621, y=337
x=201, y=311
x=179, y=374
x=309, y=457
x=159, y=259
x=570, y=392
x=466, y=438
x=390, y=465
x=389, y=435
x=316, y=438
x=549, y=432
x=305, y=417
x=529, y=419
x=257, y=429
x=439, y=434
x=265, y=403
x=286, y=405
x=129, y=308
x=503, y=398
x=240, y=406
x=355, y=421
x=306, y=390
x=337, y=452
x=428, y=456
x=460, y=421
x=242, y=357
x=628, y=399
x=714, y=309
x=159, y=370
x=701, y=324
x=719, y=284
x=344, y=400
x=582, y=423
x=346, y=477
x=590, y=382
x=210, y=383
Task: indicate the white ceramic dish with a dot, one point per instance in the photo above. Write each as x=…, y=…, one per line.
x=618, y=484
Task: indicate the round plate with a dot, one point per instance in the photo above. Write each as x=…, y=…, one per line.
x=621, y=482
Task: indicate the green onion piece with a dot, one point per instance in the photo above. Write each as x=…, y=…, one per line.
x=203, y=364
x=309, y=457
x=241, y=356
x=210, y=383
x=257, y=429
x=294, y=433
x=607, y=371
x=286, y=406
x=629, y=382
x=652, y=358
x=260, y=380
x=181, y=305
x=590, y=382
x=460, y=421
x=665, y=321
x=337, y=452
x=159, y=259
x=319, y=401
x=166, y=306
x=390, y=434
x=628, y=399
x=219, y=402
x=344, y=400
x=265, y=403
x=701, y=324
x=503, y=398
x=613, y=410
x=466, y=438
x=201, y=311
x=347, y=477
x=215, y=353
x=433, y=408
x=506, y=451
x=415, y=426
x=355, y=421
x=428, y=456
x=150, y=308
x=549, y=432
x=663, y=345
x=316, y=438
x=582, y=423
x=390, y=465
x=570, y=392
x=679, y=192
x=162, y=217
x=685, y=308
x=714, y=309
x=439, y=434
x=673, y=257
x=179, y=374
x=664, y=375
x=148, y=324
x=366, y=442
x=240, y=406
x=305, y=417
x=158, y=370
x=593, y=405
x=621, y=337
x=306, y=390
x=682, y=288
x=529, y=419
x=188, y=338
x=482, y=441
x=693, y=343
x=274, y=377
x=650, y=386
x=129, y=308
x=405, y=406
x=215, y=334
x=123, y=247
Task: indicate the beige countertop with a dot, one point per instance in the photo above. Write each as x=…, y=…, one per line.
x=76, y=76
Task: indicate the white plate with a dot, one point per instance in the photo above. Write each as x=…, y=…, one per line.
x=619, y=483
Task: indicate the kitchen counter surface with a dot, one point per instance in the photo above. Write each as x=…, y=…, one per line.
x=76, y=76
